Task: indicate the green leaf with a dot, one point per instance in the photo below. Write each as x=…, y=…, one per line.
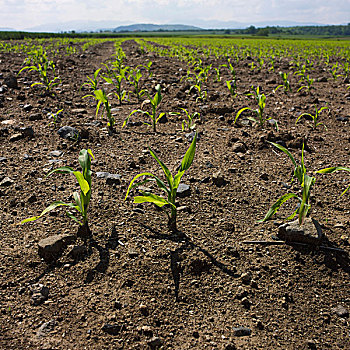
x=240, y=112
x=151, y=198
x=165, y=169
x=52, y=206
x=189, y=155
x=277, y=205
x=283, y=149
x=84, y=185
x=61, y=170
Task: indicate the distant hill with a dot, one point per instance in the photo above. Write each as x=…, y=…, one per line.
x=144, y=27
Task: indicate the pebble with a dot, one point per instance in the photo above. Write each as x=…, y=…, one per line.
x=46, y=328
x=242, y=331
x=51, y=248
x=39, y=293
x=341, y=311
x=183, y=190
x=155, y=343
x=6, y=181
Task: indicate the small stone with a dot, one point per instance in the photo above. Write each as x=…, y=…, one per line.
x=27, y=107
x=322, y=79
x=51, y=248
x=230, y=346
x=39, y=293
x=27, y=131
x=239, y=147
x=16, y=137
x=195, y=334
x=144, y=310
x=55, y=153
x=11, y=81
x=46, y=328
x=341, y=311
x=155, y=343
x=6, y=181
x=69, y=133
x=79, y=111
x=133, y=253
x=183, y=190
x=113, y=329
x=242, y=331
x=113, y=179
x=35, y=116
x=147, y=331
x=3, y=159
x=310, y=232
x=218, y=179
x=246, y=277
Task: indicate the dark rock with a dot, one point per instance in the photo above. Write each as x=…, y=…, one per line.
x=242, y=331
x=39, y=294
x=111, y=179
x=239, y=147
x=230, y=346
x=27, y=131
x=144, y=310
x=16, y=137
x=11, y=81
x=6, y=181
x=113, y=329
x=198, y=266
x=155, y=343
x=310, y=232
x=51, y=248
x=341, y=311
x=218, y=179
x=322, y=79
x=35, y=116
x=3, y=159
x=28, y=107
x=69, y=133
x=183, y=190
x=342, y=119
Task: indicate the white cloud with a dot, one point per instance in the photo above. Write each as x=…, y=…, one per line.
x=27, y=13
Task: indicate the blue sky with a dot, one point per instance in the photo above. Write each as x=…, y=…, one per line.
x=24, y=14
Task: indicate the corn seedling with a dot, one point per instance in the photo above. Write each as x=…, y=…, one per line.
x=259, y=112
x=134, y=79
x=314, y=117
x=155, y=101
x=189, y=122
x=285, y=85
x=81, y=199
x=170, y=189
x=92, y=82
x=308, y=85
x=116, y=79
x=55, y=116
x=43, y=71
x=305, y=181
x=102, y=98
x=332, y=170
x=232, y=87
x=334, y=71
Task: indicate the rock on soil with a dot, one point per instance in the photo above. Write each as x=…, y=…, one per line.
x=51, y=248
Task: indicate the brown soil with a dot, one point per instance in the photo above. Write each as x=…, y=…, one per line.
x=137, y=286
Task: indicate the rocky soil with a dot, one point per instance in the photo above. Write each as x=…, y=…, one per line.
x=134, y=284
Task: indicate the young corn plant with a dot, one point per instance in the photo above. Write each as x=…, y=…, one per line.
x=102, y=98
x=170, y=188
x=92, y=82
x=305, y=181
x=232, y=87
x=43, y=70
x=309, y=82
x=286, y=84
x=333, y=170
x=189, y=123
x=314, y=117
x=116, y=79
x=261, y=101
x=55, y=117
x=155, y=102
x=82, y=198
x=134, y=79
